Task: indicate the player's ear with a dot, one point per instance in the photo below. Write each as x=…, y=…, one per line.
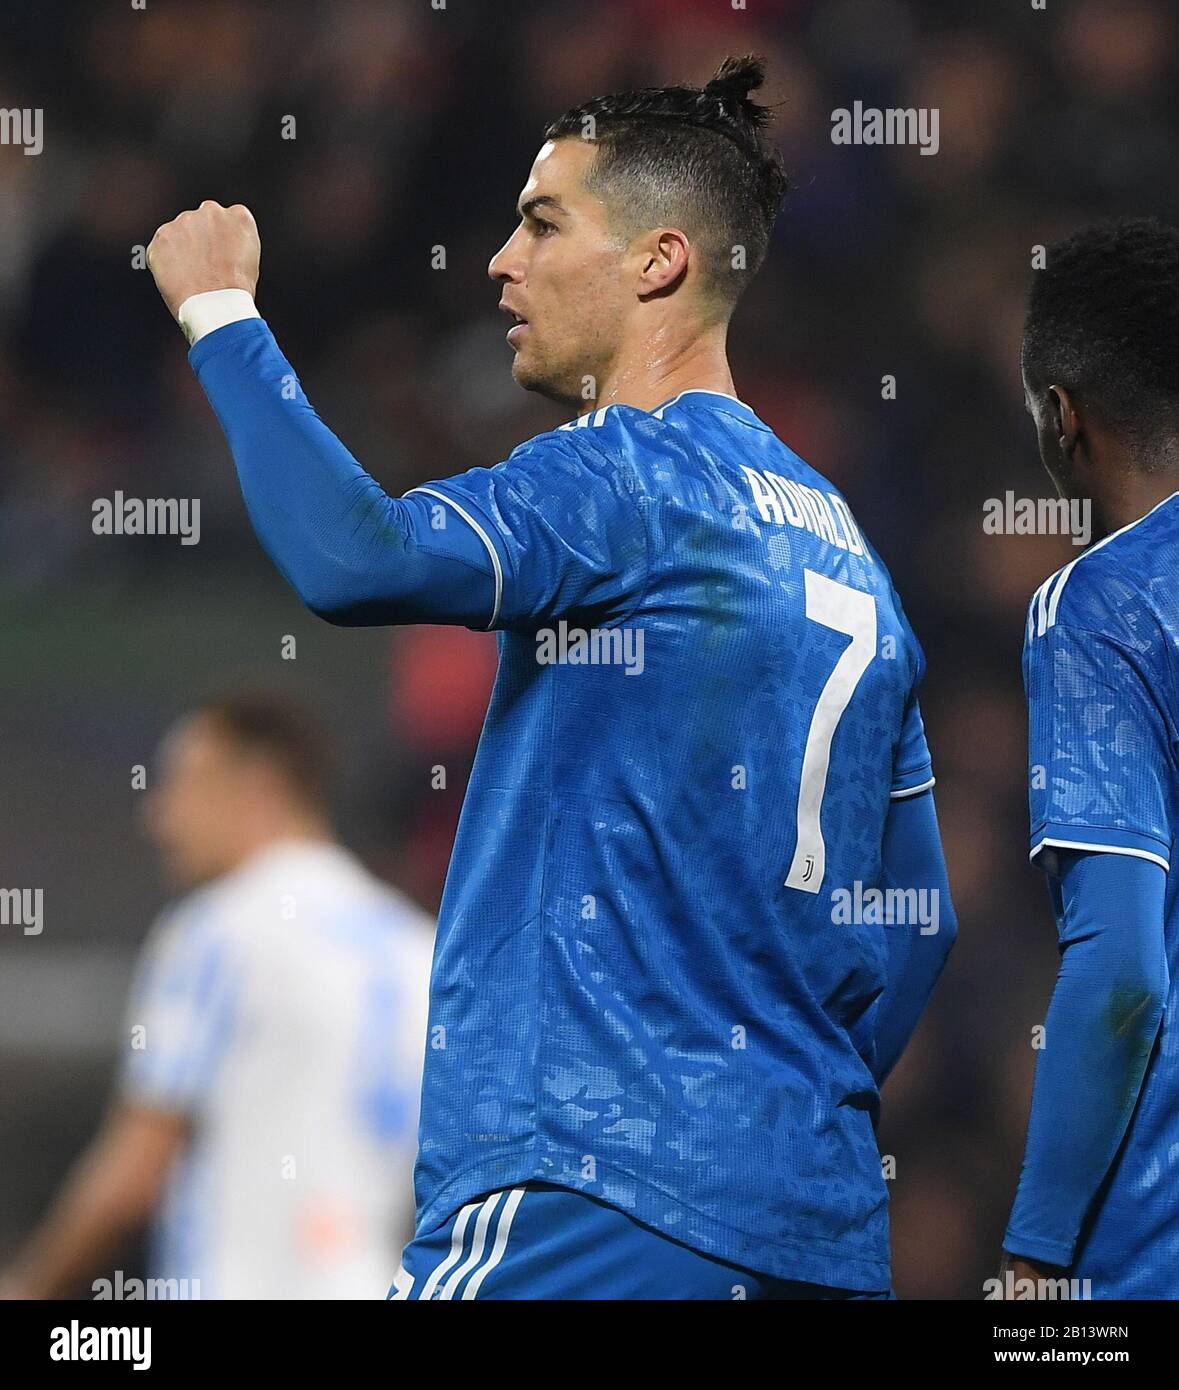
x=1066, y=423
x=663, y=259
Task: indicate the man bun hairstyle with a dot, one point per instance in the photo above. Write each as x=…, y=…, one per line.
x=693, y=157
x=729, y=88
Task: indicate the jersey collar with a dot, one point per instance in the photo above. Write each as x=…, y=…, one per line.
x=719, y=400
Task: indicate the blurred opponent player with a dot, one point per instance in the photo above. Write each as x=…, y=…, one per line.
x=1099, y=1193
x=268, y=1103
x=656, y=1035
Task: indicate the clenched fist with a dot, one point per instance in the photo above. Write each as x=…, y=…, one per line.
x=213, y=248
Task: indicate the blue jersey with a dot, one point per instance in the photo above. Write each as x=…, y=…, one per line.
x=705, y=700
x=1103, y=697
x=540, y=1241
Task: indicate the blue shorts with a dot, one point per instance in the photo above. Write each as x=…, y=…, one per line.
x=540, y=1241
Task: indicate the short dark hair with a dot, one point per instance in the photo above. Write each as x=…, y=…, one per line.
x=696, y=157
x=281, y=731
x=1103, y=322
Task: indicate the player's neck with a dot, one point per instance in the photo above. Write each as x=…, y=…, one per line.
x=1127, y=497
x=662, y=366
x=298, y=828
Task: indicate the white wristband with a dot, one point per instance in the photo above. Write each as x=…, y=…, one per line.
x=202, y=313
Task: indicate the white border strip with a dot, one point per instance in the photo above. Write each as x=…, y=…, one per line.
x=911, y=791
x=483, y=536
x=1047, y=609
x=1050, y=841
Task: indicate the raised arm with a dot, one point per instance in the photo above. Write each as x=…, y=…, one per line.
x=352, y=553
x=506, y=546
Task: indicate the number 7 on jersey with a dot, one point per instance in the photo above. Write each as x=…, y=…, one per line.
x=848, y=610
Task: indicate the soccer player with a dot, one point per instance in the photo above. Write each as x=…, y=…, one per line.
x=1097, y=1196
x=656, y=1032
x=267, y=1107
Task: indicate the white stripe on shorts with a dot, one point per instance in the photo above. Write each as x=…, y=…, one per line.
x=486, y=1211
x=456, y=1250
x=501, y=1242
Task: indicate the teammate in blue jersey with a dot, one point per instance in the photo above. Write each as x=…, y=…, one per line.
x=697, y=899
x=1098, y=1199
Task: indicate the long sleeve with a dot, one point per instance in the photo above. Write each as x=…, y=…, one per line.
x=912, y=859
x=351, y=552
x=1100, y=1029
x=552, y=530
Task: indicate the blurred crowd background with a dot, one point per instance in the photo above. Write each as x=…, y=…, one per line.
x=414, y=128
